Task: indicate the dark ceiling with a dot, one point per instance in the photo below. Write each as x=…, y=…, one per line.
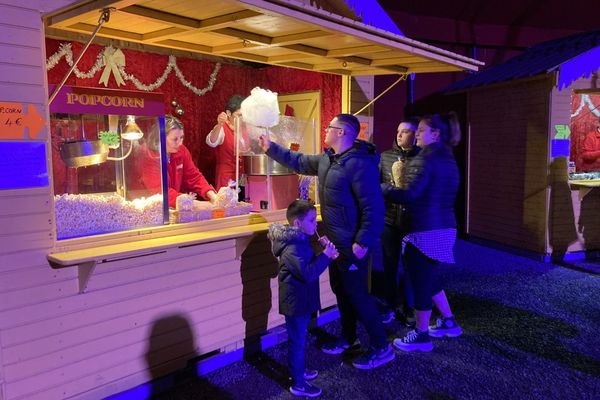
x=577, y=15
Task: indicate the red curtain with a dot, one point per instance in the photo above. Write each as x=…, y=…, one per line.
x=201, y=111
x=584, y=123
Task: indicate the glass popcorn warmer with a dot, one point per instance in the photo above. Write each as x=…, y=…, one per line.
x=107, y=152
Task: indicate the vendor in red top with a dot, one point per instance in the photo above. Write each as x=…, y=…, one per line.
x=222, y=138
x=183, y=175
x=591, y=151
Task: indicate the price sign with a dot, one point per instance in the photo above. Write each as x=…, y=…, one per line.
x=16, y=117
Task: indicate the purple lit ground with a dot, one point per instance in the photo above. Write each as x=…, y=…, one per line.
x=531, y=332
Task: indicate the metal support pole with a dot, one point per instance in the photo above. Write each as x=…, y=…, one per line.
x=104, y=17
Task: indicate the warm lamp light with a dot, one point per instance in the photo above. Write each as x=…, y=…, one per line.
x=132, y=130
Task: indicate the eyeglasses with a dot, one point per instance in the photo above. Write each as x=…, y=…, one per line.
x=332, y=127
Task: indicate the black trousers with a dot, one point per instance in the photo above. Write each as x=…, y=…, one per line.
x=392, y=284
x=424, y=276
x=356, y=303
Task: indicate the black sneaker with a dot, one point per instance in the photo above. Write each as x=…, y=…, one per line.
x=373, y=358
x=306, y=390
x=339, y=346
x=445, y=327
x=414, y=341
x=410, y=320
x=310, y=374
x=406, y=317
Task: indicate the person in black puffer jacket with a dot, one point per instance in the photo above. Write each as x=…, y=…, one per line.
x=298, y=277
x=352, y=211
x=391, y=285
x=432, y=180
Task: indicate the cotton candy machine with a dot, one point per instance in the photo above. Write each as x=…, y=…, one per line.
x=259, y=164
x=269, y=184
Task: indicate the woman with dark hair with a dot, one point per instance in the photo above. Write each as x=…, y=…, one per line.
x=222, y=138
x=428, y=197
x=183, y=175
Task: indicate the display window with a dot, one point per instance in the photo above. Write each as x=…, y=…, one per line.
x=118, y=165
x=107, y=156
x=584, y=133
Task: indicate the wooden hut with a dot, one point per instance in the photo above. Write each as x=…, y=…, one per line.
x=527, y=122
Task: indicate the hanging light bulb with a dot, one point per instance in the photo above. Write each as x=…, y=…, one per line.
x=132, y=130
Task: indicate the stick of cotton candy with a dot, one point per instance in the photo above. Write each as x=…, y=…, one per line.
x=261, y=108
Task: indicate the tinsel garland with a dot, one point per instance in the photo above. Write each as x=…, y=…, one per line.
x=586, y=99
x=66, y=51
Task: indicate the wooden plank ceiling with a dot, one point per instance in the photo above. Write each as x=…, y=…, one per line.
x=288, y=33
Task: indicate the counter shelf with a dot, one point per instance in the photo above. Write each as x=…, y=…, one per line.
x=584, y=186
x=87, y=253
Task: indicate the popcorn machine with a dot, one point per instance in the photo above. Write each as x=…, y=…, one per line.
x=104, y=144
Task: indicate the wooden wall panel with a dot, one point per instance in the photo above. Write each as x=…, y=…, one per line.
x=54, y=337
x=508, y=163
x=26, y=229
x=14, y=92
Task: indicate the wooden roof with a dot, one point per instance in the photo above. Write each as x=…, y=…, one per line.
x=542, y=58
x=288, y=33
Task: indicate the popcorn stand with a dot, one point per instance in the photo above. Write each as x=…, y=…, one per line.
x=104, y=288
x=97, y=140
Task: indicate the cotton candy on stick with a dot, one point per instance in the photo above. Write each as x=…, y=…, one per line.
x=261, y=108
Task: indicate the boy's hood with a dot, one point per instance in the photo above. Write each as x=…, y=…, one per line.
x=282, y=235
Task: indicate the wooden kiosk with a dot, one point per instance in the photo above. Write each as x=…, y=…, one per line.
x=118, y=309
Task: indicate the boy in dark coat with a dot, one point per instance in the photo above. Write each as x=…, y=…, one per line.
x=299, y=270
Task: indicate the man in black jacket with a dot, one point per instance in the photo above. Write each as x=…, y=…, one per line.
x=390, y=285
x=352, y=211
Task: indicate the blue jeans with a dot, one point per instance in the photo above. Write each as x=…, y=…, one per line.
x=296, y=326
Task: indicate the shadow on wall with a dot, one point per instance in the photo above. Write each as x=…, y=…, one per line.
x=170, y=361
x=561, y=219
x=257, y=269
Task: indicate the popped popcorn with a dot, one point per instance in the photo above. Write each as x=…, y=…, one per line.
x=91, y=214
x=185, y=201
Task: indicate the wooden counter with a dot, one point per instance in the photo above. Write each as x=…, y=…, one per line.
x=584, y=186
x=86, y=253
x=155, y=296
